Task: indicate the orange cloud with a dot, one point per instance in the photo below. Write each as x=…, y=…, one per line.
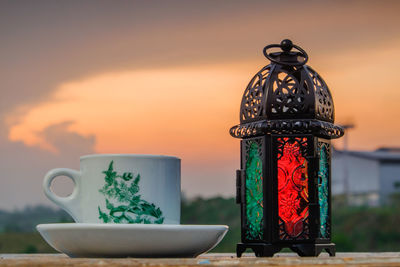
x=185, y=112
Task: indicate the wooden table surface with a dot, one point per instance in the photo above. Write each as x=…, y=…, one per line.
x=223, y=259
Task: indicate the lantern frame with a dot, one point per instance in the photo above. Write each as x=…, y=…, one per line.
x=265, y=123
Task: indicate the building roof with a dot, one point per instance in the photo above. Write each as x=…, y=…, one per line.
x=381, y=154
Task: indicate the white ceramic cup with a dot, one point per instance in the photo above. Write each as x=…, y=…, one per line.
x=121, y=188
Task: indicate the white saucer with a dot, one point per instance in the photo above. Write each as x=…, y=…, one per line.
x=132, y=240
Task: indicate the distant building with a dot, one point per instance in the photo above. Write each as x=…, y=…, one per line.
x=372, y=175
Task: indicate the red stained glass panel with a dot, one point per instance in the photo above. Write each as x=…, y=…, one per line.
x=292, y=188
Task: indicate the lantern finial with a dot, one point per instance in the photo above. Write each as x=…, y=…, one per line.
x=287, y=57
x=286, y=45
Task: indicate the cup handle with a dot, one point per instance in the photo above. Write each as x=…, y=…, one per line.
x=70, y=203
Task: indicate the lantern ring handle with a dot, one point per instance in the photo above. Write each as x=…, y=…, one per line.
x=286, y=49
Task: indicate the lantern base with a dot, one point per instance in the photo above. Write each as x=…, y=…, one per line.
x=259, y=249
x=307, y=250
x=303, y=250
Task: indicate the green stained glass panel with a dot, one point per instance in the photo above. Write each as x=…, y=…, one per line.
x=323, y=193
x=254, y=192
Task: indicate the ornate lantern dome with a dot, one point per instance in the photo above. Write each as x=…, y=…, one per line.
x=287, y=96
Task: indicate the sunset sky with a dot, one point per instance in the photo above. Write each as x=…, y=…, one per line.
x=167, y=77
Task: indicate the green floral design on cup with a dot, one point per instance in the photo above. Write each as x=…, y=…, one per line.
x=123, y=202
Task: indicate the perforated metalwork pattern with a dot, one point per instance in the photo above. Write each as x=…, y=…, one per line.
x=289, y=92
x=253, y=97
x=324, y=103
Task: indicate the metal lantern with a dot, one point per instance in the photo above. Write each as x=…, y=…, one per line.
x=284, y=183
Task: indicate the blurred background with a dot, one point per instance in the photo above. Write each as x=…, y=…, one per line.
x=167, y=77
